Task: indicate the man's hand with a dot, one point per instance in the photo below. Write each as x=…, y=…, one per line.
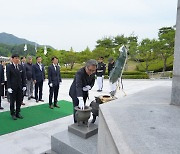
x=24, y=88
x=50, y=85
x=81, y=103
x=86, y=88
x=34, y=81
x=10, y=90
x=103, y=76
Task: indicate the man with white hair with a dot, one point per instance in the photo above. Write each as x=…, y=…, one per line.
x=29, y=77
x=82, y=83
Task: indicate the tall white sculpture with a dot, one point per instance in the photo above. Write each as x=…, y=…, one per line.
x=175, y=95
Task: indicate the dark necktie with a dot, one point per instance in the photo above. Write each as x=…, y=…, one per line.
x=16, y=66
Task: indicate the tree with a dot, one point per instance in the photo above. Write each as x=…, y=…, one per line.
x=106, y=42
x=85, y=55
x=165, y=45
x=120, y=40
x=70, y=58
x=102, y=52
x=145, y=52
x=132, y=45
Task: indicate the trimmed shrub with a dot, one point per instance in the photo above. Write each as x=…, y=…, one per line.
x=126, y=75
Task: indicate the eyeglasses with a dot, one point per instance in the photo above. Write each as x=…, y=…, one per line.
x=90, y=70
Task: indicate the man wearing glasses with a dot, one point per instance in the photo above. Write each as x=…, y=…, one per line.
x=82, y=83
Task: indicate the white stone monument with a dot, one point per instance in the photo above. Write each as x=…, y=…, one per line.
x=175, y=95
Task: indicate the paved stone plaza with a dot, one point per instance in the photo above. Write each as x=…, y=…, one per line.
x=37, y=139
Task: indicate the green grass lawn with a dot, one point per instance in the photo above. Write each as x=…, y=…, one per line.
x=34, y=115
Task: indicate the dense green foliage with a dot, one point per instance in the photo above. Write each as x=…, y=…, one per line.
x=157, y=65
x=8, y=50
x=149, y=54
x=126, y=75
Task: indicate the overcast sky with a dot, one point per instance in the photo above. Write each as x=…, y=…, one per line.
x=80, y=23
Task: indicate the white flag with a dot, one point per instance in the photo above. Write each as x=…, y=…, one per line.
x=25, y=47
x=35, y=47
x=45, y=50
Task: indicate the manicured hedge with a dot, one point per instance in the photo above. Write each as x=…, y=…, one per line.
x=135, y=76
x=126, y=75
x=67, y=75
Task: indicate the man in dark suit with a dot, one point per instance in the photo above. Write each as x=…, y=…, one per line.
x=1, y=83
x=23, y=62
x=38, y=78
x=54, y=79
x=16, y=83
x=82, y=83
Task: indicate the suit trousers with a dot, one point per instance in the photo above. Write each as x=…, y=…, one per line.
x=30, y=88
x=16, y=96
x=38, y=86
x=53, y=91
x=0, y=92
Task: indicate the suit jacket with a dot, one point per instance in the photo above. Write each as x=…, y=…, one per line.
x=81, y=80
x=23, y=65
x=38, y=74
x=101, y=69
x=110, y=67
x=54, y=76
x=1, y=74
x=28, y=70
x=15, y=77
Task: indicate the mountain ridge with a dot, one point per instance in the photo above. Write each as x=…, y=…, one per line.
x=11, y=39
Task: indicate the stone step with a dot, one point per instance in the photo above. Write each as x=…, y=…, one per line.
x=69, y=143
x=49, y=152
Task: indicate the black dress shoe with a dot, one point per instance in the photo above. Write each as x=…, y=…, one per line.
x=29, y=98
x=41, y=100
x=57, y=106
x=51, y=106
x=14, y=117
x=1, y=108
x=19, y=116
x=37, y=101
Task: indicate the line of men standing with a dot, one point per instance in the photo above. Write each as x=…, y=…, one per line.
x=22, y=76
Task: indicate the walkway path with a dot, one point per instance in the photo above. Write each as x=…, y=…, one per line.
x=37, y=139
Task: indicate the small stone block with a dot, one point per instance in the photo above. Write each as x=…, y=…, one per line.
x=69, y=143
x=49, y=152
x=83, y=131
